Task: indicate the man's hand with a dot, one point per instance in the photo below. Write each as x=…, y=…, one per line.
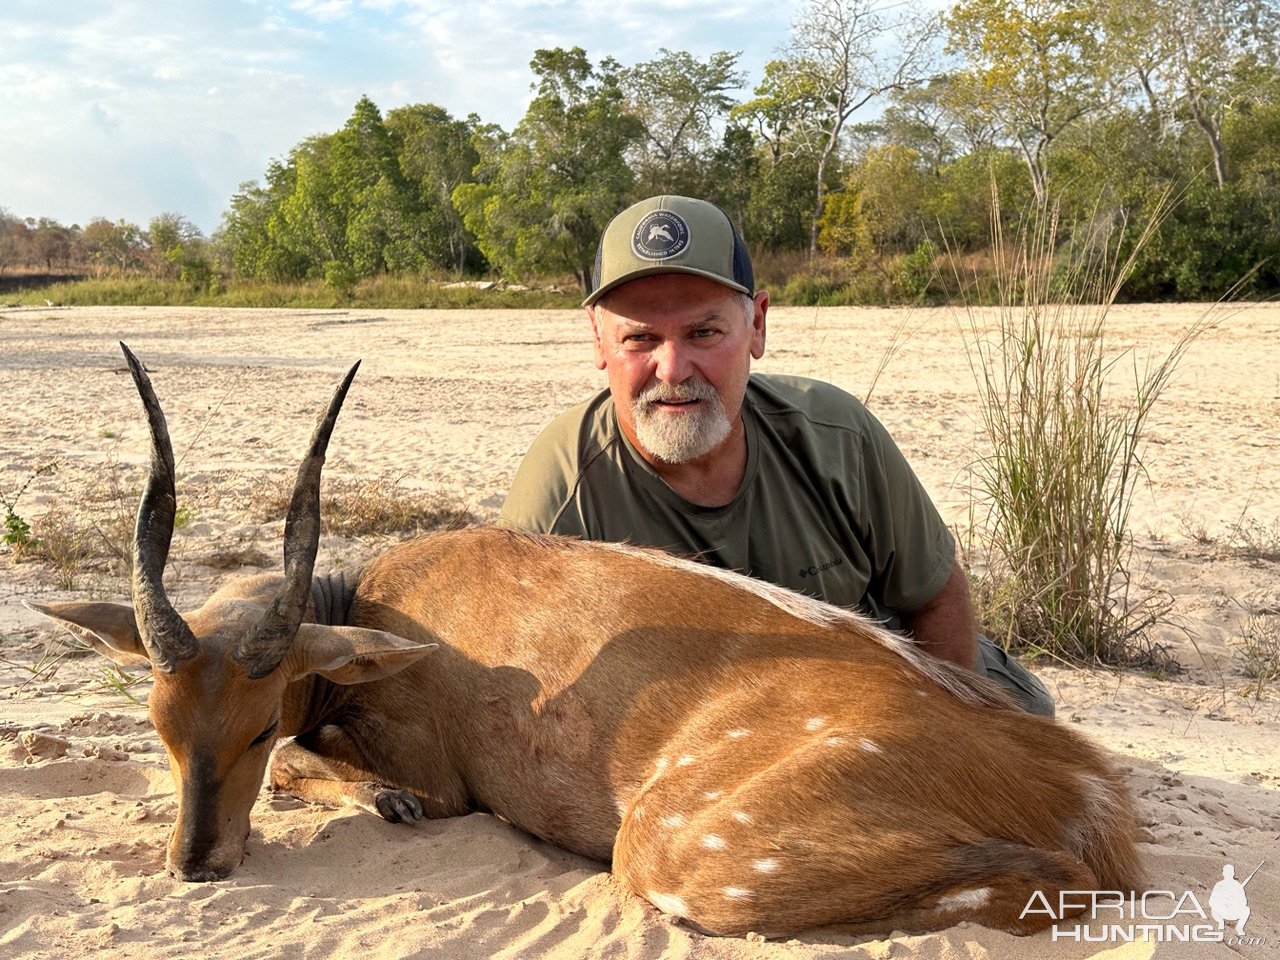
x=944, y=627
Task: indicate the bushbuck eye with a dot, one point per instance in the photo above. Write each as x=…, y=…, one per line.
x=265, y=735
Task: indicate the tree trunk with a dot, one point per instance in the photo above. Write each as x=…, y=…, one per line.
x=1210, y=128
x=1034, y=159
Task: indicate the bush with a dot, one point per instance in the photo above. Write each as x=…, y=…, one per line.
x=371, y=507
x=339, y=277
x=1065, y=435
x=917, y=271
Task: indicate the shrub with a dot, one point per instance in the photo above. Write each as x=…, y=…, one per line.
x=1065, y=434
x=916, y=272
x=357, y=508
x=1258, y=652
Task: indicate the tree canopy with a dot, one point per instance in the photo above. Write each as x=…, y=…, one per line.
x=874, y=134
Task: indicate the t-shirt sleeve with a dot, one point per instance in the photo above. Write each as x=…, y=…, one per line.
x=911, y=549
x=540, y=495
x=539, y=491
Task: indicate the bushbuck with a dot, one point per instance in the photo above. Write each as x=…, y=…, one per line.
x=746, y=758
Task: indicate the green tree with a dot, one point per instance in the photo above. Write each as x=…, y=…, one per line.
x=1037, y=66
x=840, y=54
x=252, y=234
x=961, y=203
x=678, y=100
x=382, y=217
x=885, y=194
x=925, y=118
x=118, y=244
x=51, y=242
x=560, y=176
x=1197, y=58
x=436, y=155
x=13, y=235
x=731, y=169
x=310, y=222
x=783, y=119
x=173, y=241
x=784, y=111
x=349, y=210
x=779, y=208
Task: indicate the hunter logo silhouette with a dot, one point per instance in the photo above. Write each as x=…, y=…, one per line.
x=1228, y=901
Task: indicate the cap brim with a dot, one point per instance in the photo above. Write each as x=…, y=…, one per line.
x=656, y=269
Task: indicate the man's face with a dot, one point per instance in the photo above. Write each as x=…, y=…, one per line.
x=678, y=350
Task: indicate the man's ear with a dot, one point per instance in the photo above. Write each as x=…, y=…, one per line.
x=350, y=654
x=761, y=301
x=593, y=314
x=110, y=628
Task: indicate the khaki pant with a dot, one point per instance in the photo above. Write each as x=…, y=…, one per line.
x=1028, y=692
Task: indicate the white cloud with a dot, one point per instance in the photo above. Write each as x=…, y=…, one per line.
x=324, y=10
x=132, y=108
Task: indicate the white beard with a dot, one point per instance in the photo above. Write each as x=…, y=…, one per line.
x=681, y=437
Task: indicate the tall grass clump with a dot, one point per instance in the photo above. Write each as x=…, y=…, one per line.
x=1064, y=413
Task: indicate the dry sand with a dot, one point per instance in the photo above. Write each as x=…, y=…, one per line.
x=448, y=401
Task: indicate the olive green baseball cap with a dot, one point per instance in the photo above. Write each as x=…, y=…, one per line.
x=671, y=235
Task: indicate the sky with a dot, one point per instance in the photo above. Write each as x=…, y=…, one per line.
x=127, y=109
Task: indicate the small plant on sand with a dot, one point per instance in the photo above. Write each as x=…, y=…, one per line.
x=65, y=545
x=114, y=679
x=45, y=667
x=1258, y=652
x=360, y=508
x=97, y=533
x=1255, y=540
x=1064, y=414
x=17, y=535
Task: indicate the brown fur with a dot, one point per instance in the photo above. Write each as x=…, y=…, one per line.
x=742, y=765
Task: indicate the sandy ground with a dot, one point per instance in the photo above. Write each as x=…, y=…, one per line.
x=447, y=402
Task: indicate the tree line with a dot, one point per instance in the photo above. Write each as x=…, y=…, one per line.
x=1098, y=109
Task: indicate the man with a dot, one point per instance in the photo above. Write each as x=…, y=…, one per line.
x=782, y=478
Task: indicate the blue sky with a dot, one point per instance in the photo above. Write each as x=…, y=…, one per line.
x=127, y=108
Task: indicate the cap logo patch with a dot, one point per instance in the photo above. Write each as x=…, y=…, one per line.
x=660, y=235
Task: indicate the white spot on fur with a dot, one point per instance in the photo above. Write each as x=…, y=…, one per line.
x=742, y=816
x=674, y=820
x=834, y=741
x=921, y=693
x=966, y=899
x=738, y=734
x=738, y=893
x=815, y=723
x=668, y=903
x=714, y=841
x=685, y=760
x=662, y=764
x=767, y=865
x=712, y=794
x=1100, y=810
x=869, y=746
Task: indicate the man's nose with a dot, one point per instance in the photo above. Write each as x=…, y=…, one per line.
x=673, y=363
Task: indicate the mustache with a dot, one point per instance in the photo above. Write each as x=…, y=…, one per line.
x=666, y=392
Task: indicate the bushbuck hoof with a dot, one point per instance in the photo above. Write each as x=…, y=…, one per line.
x=200, y=874
x=397, y=806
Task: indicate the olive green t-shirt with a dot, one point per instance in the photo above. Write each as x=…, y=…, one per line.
x=828, y=506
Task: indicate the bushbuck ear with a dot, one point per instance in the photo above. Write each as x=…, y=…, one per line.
x=351, y=654
x=110, y=628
